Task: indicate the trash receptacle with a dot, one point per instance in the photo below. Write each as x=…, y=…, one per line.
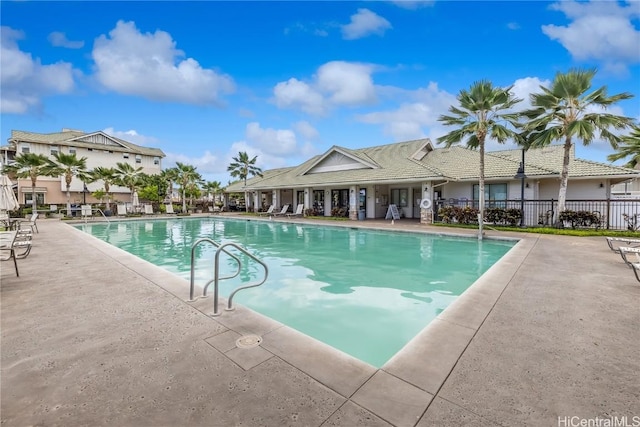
x=361, y=215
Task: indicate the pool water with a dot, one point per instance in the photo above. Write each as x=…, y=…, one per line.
x=364, y=292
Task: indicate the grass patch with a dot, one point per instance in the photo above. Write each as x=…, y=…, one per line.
x=549, y=230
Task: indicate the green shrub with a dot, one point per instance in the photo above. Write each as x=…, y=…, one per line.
x=580, y=218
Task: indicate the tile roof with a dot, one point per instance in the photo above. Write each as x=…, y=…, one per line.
x=68, y=136
x=456, y=163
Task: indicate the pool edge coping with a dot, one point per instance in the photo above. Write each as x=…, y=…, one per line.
x=407, y=364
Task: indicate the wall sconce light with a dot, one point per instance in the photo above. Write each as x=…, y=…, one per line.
x=527, y=185
x=601, y=185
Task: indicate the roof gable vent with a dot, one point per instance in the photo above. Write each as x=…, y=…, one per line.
x=425, y=149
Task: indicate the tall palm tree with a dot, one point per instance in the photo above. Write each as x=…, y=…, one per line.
x=69, y=166
x=108, y=177
x=483, y=111
x=566, y=111
x=242, y=167
x=29, y=165
x=128, y=176
x=187, y=177
x=628, y=147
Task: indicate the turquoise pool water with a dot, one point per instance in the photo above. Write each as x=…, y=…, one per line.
x=364, y=292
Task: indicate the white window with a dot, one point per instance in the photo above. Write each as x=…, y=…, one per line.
x=138, y=158
x=125, y=155
x=72, y=150
x=25, y=148
x=156, y=160
x=54, y=149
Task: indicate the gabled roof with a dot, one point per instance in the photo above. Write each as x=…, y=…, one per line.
x=76, y=138
x=419, y=161
x=333, y=159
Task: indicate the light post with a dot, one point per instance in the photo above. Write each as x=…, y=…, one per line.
x=84, y=193
x=520, y=174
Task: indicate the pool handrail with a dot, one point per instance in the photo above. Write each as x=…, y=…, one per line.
x=253, y=285
x=192, y=282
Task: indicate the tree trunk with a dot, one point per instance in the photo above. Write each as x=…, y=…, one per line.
x=184, y=201
x=34, y=203
x=68, y=201
x=564, y=178
x=481, y=191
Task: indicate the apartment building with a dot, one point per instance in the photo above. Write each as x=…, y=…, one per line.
x=99, y=148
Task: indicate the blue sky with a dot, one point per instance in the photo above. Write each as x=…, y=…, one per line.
x=286, y=80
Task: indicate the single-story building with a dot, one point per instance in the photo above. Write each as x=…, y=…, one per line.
x=418, y=178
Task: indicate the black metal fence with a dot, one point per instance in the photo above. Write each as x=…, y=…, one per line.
x=614, y=214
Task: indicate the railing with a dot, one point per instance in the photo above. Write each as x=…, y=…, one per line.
x=221, y=248
x=615, y=214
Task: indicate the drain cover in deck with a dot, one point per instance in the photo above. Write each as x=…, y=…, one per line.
x=248, y=341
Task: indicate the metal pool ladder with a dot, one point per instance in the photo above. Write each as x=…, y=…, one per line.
x=220, y=247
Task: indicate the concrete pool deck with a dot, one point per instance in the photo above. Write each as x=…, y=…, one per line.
x=92, y=335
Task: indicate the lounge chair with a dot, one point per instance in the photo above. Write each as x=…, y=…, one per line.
x=14, y=245
x=268, y=211
x=626, y=253
x=169, y=208
x=298, y=211
x=122, y=209
x=31, y=222
x=616, y=242
x=284, y=210
x=148, y=209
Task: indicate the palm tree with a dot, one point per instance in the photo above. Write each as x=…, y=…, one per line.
x=242, y=167
x=69, y=166
x=212, y=188
x=128, y=176
x=108, y=177
x=188, y=178
x=29, y=165
x=628, y=147
x=483, y=111
x=169, y=176
x=567, y=111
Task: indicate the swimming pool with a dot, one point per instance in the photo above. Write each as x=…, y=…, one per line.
x=364, y=292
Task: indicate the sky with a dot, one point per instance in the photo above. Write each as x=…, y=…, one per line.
x=287, y=80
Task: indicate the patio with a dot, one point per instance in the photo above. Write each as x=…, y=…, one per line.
x=94, y=336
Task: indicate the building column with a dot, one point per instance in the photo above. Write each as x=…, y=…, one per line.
x=426, y=214
x=308, y=191
x=353, y=203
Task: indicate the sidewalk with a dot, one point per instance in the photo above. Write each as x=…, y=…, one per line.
x=94, y=336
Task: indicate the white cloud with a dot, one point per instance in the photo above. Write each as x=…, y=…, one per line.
x=278, y=142
x=347, y=83
x=363, y=24
x=208, y=163
x=25, y=80
x=335, y=83
x=131, y=136
x=295, y=93
x=59, y=39
x=513, y=26
x=600, y=30
x=149, y=65
x=523, y=88
x=410, y=120
x=306, y=130
x=413, y=4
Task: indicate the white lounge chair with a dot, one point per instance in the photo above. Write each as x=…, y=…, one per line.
x=298, y=211
x=31, y=222
x=268, y=211
x=122, y=209
x=616, y=242
x=148, y=209
x=284, y=210
x=169, y=208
